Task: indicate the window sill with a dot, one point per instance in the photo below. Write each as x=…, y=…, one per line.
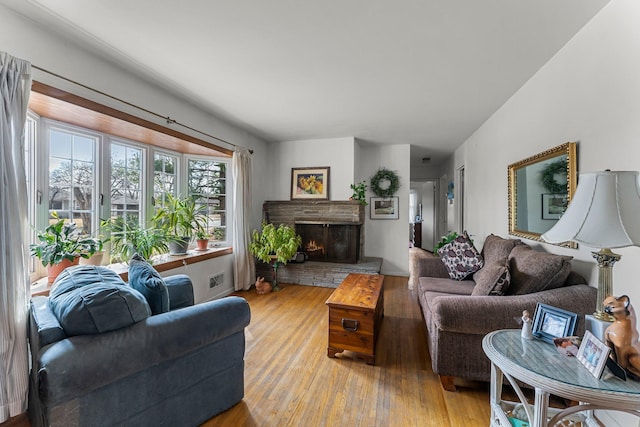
x=161, y=263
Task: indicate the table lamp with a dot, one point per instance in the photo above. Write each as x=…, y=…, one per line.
x=603, y=213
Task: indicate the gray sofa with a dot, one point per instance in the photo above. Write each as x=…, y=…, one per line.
x=457, y=317
x=179, y=367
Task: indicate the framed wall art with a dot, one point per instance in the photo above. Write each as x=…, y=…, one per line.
x=551, y=322
x=385, y=208
x=553, y=205
x=310, y=183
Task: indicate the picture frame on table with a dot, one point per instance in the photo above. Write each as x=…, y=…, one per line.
x=310, y=183
x=551, y=322
x=593, y=354
x=385, y=208
x=553, y=205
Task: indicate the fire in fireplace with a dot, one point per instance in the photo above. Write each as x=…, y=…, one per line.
x=332, y=242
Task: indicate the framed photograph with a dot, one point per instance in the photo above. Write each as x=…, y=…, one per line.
x=385, y=208
x=553, y=205
x=310, y=183
x=551, y=322
x=593, y=354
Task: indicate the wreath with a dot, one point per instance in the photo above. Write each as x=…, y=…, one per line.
x=385, y=183
x=548, y=177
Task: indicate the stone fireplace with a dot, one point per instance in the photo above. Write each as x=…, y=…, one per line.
x=330, y=230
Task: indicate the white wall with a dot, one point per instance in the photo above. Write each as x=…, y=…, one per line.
x=201, y=272
x=337, y=153
x=388, y=239
x=590, y=93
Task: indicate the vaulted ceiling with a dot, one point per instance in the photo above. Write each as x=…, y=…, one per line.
x=421, y=72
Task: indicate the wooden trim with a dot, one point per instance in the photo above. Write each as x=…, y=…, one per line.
x=41, y=287
x=48, y=101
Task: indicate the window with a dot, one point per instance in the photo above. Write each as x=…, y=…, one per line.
x=207, y=180
x=126, y=179
x=164, y=177
x=73, y=177
x=30, y=137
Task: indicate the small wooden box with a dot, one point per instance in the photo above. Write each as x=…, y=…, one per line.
x=356, y=309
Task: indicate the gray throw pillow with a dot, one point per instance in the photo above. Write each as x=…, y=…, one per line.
x=146, y=280
x=497, y=249
x=533, y=271
x=93, y=299
x=492, y=279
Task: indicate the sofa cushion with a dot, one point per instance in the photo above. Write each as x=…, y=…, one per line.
x=492, y=279
x=146, y=280
x=447, y=286
x=533, y=271
x=93, y=299
x=496, y=248
x=460, y=257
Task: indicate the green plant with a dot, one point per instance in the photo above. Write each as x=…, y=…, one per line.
x=61, y=241
x=180, y=216
x=275, y=244
x=360, y=193
x=130, y=238
x=446, y=239
x=202, y=234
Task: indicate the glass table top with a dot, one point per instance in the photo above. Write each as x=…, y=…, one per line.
x=543, y=359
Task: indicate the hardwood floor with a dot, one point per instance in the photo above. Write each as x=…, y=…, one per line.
x=290, y=381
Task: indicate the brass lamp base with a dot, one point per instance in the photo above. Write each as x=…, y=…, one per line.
x=606, y=259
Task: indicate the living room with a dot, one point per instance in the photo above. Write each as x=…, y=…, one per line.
x=586, y=92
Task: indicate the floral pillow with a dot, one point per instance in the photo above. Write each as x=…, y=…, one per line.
x=460, y=257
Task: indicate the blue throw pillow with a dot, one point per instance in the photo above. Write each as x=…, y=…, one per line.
x=146, y=280
x=93, y=299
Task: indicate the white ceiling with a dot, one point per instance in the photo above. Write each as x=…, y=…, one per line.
x=421, y=72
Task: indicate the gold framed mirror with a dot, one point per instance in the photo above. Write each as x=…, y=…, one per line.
x=540, y=189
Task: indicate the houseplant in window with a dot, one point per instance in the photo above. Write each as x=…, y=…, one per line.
x=202, y=240
x=60, y=246
x=275, y=245
x=128, y=238
x=179, y=217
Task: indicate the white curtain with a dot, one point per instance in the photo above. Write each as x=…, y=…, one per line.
x=244, y=269
x=15, y=86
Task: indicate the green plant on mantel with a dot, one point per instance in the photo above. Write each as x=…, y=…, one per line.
x=359, y=193
x=275, y=245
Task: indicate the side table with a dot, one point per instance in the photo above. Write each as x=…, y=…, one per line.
x=539, y=364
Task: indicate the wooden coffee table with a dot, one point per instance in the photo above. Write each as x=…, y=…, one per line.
x=356, y=309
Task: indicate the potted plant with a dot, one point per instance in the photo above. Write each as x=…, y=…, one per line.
x=179, y=217
x=60, y=246
x=275, y=245
x=202, y=240
x=130, y=238
x=359, y=193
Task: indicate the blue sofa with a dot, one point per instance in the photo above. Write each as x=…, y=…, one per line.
x=177, y=368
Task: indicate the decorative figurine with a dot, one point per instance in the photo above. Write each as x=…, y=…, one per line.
x=263, y=287
x=622, y=336
x=526, y=326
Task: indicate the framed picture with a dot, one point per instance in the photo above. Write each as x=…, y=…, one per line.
x=593, y=354
x=553, y=205
x=551, y=322
x=385, y=208
x=310, y=183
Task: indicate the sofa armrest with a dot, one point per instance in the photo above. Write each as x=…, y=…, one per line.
x=77, y=365
x=482, y=314
x=429, y=267
x=180, y=290
x=44, y=327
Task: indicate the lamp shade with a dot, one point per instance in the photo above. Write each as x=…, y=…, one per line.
x=603, y=213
